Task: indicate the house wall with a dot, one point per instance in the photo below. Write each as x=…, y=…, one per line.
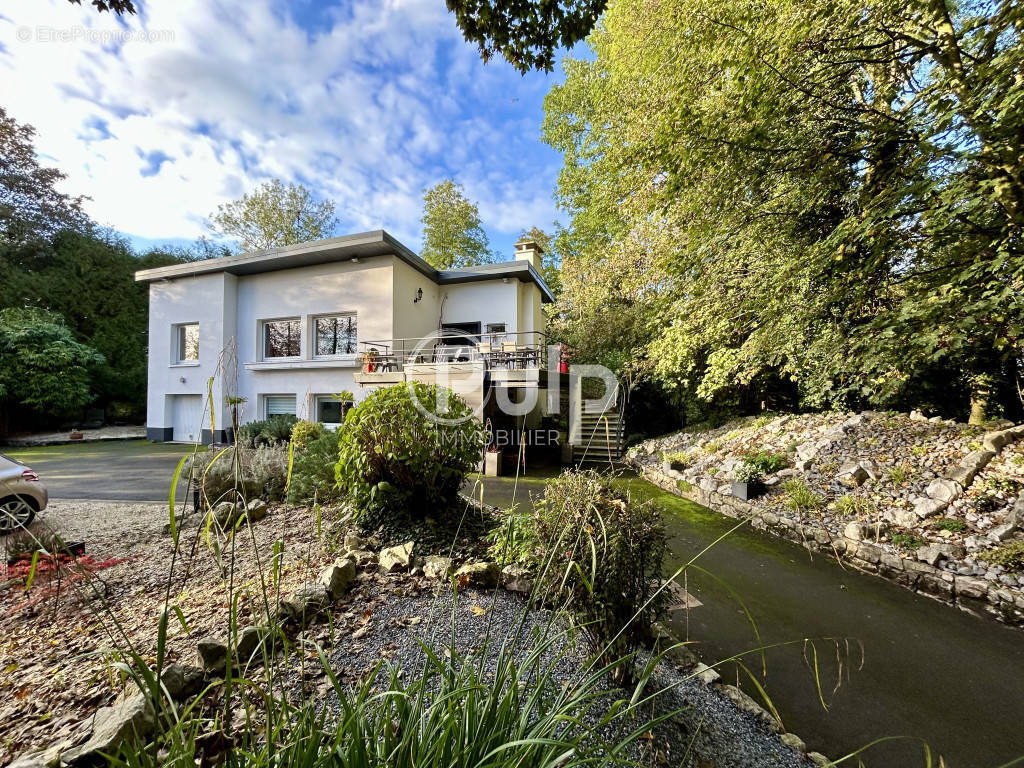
x=414, y=320
x=486, y=302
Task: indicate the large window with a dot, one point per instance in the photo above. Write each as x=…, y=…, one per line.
x=335, y=335
x=282, y=338
x=186, y=343
x=275, y=404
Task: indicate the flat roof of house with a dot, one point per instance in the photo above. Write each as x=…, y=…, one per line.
x=344, y=248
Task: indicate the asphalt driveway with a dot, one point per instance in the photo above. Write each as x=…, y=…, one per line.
x=124, y=470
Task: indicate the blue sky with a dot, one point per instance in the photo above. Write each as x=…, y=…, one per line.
x=161, y=117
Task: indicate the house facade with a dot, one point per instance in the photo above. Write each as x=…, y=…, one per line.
x=286, y=331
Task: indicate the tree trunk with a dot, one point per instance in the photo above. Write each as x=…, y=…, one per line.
x=981, y=392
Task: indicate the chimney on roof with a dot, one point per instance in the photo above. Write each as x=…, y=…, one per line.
x=529, y=250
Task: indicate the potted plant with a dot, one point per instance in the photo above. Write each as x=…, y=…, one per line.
x=677, y=460
x=748, y=482
x=76, y=434
x=492, y=462
x=369, y=360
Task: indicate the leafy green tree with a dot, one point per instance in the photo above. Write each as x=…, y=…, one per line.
x=42, y=367
x=817, y=193
x=452, y=234
x=30, y=205
x=273, y=215
x=527, y=33
x=550, y=260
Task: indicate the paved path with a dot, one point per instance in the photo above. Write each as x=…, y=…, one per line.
x=930, y=672
x=130, y=470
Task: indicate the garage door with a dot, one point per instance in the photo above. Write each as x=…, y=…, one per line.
x=187, y=417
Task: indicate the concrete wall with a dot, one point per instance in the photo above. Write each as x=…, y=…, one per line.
x=486, y=302
x=414, y=320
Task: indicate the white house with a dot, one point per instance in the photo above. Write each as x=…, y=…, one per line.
x=283, y=331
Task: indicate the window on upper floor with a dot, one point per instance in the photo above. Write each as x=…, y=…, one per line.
x=186, y=343
x=282, y=338
x=334, y=335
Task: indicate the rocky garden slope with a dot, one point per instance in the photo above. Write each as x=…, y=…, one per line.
x=932, y=504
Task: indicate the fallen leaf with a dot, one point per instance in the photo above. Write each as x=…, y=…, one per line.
x=477, y=610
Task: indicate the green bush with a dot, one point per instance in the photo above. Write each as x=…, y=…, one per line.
x=313, y=471
x=765, y=462
x=514, y=541
x=275, y=430
x=950, y=524
x=304, y=432
x=800, y=497
x=601, y=552
x=396, y=458
x=678, y=459
x=262, y=473
x=849, y=505
x=748, y=473
x=908, y=542
x=1009, y=555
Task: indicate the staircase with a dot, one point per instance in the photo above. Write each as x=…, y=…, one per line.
x=603, y=435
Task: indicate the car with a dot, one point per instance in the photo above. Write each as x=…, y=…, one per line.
x=22, y=495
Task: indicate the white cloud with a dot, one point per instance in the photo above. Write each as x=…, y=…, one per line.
x=375, y=101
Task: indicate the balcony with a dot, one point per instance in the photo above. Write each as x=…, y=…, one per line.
x=458, y=361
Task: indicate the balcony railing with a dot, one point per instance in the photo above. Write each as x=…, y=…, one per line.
x=525, y=350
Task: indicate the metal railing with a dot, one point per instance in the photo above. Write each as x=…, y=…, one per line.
x=498, y=351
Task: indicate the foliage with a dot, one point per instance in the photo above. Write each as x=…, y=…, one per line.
x=748, y=473
x=274, y=430
x=528, y=34
x=31, y=207
x=1009, y=555
x=550, y=260
x=261, y=473
x=452, y=234
x=601, y=551
x=275, y=214
x=950, y=524
x=678, y=459
x=907, y=541
x=899, y=474
x=800, y=497
x=304, y=432
x=514, y=541
x=849, y=505
x=765, y=462
x=820, y=195
x=313, y=471
x=43, y=368
x=406, y=449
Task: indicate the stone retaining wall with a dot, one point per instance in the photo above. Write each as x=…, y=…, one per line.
x=974, y=595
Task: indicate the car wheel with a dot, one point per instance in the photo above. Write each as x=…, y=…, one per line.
x=15, y=514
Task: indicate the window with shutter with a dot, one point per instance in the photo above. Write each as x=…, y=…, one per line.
x=275, y=404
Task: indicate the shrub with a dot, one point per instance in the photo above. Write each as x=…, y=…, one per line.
x=950, y=524
x=899, y=474
x=275, y=430
x=765, y=462
x=678, y=459
x=313, y=470
x=304, y=432
x=514, y=541
x=748, y=473
x=800, y=497
x=714, y=446
x=394, y=459
x=1009, y=555
x=907, y=541
x=262, y=473
x=849, y=505
x=601, y=552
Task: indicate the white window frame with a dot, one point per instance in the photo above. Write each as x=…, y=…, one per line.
x=314, y=336
x=176, y=344
x=266, y=402
x=330, y=398
x=264, y=327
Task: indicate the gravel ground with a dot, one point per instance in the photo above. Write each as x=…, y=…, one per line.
x=116, y=528
x=403, y=613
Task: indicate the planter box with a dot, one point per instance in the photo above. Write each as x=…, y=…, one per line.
x=492, y=464
x=747, y=491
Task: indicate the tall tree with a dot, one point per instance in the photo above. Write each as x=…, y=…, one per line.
x=528, y=33
x=821, y=192
x=31, y=207
x=44, y=368
x=452, y=234
x=273, y=215
x=551, y=262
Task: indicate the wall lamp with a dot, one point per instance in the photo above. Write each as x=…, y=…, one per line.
x=419, y=295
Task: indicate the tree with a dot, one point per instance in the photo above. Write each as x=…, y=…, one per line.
x=119, y=7
x=30, y=205
x=816, y=194
x=44, y=369
x=273, y=215
x=526, y=32
x=453, y=237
